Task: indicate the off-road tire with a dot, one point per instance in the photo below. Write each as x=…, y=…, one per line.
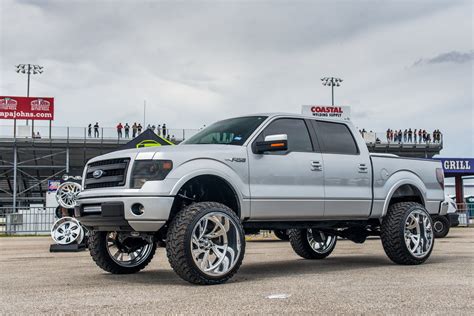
x=179, y=237
x=281, y=234
x=97, y=244
x=392, y=234
x=443, y=223
x=300, y=244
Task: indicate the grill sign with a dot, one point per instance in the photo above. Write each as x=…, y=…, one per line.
x=458, y=165
x=336, y=112
x=23, y=108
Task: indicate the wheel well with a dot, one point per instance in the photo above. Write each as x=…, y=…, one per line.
x=407, y=193
x=206, y=188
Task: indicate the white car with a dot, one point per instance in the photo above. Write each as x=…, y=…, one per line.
x=442, y=223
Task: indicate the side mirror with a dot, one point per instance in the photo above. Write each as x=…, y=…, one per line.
x=272, y=143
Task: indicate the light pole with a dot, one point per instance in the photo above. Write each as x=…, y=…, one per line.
x=332, y=82
x=28, y=69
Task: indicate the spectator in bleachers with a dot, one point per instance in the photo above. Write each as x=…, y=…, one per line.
x=127, y=130
x=163, y=129
x=134, y=129
x=119, y=130
x=96, y=129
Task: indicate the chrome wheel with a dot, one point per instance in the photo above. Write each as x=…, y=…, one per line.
x=67, y=230
x=320, y=242
x=215, y=244
x=438, y=226
x=66, y=195
x=128, y=251
x=418, y=233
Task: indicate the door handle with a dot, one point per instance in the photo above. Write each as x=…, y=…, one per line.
x=316, y=166
x=363, y=168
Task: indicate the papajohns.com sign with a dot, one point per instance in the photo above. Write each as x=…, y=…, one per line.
x=327, y=111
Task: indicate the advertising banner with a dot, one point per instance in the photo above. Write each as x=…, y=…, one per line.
x=327, y=111
x=460, y=166
x=26, y=108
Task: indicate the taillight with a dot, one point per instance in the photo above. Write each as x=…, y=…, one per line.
x=440, y=176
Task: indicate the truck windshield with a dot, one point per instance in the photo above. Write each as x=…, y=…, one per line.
x=233, y=131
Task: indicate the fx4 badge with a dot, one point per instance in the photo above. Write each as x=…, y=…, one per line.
x=236, y=159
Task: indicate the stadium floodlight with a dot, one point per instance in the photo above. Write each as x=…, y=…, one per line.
x=29, y=69
x=331, y=82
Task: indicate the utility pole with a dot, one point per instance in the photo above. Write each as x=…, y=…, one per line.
x=332, y=82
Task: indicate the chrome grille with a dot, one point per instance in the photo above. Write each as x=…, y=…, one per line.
x=114, y=173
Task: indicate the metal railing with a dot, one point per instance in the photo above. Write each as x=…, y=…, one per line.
x=82, y=134
x=26, y=220
x=39, y=220
x=376, y=138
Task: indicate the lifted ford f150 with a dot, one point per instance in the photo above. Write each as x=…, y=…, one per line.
x=312, y=177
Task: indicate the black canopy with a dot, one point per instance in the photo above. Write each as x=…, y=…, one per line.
x=146, y=139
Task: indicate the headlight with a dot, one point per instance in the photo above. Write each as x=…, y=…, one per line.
x=147, y=170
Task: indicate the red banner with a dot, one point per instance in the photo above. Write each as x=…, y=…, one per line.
x=23, y=108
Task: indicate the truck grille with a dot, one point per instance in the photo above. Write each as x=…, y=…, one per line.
x=114, y=173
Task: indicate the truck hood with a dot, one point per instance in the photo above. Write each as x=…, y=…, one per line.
x=180, y=152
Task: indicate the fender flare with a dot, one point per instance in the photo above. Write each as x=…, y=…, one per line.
x=396, y=186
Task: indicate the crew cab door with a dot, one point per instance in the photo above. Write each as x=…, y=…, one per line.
x=286, y=184
x=347, y=171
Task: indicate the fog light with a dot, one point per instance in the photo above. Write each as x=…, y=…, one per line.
x=138, y=209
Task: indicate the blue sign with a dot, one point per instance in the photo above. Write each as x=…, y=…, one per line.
x=457, y=165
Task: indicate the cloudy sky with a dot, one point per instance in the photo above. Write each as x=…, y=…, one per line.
x=404, y=63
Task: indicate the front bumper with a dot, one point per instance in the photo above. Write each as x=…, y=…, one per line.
x=108, y=213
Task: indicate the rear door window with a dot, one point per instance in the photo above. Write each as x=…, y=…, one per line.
x=335, y=138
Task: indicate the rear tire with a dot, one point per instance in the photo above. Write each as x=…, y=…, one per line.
x=407, y=233
x=311, y=243
x=441, y=226
x=99, y=244
x=205, y=243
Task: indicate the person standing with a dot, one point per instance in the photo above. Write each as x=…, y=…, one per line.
x=405, y=135
x=139, y=128
x=414, y=135
x=89, y=130
x=127, y=130
x=134, y=129
x=119, y=130
x=158, y=130
x=164, y=130
x=400, y=135
x=96, y=130
x=420, y=134
x=388, y=135
x=410, y=135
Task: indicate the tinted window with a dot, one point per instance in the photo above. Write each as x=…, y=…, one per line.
x=233, y=131
x=335, y=138
x=298, y=136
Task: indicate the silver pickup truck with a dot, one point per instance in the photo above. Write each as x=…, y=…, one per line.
x=314, y=178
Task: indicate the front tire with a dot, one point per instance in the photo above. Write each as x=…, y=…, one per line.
x=407, y=233
x=118, y=255
x=205, y=243
x=312, y=243
x=441, y=226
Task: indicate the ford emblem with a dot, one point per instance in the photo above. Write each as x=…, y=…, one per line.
x=98, y=173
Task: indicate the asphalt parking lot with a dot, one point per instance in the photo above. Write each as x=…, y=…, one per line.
x=355, y=279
